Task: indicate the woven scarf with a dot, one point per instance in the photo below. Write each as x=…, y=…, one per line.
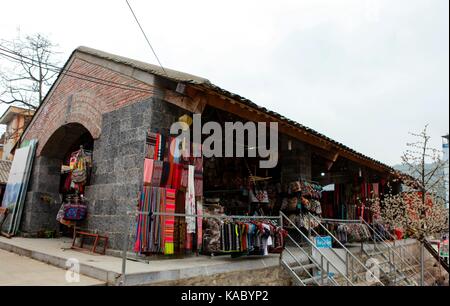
x=157, y=173
x=199, y=225
x=165, y=174
x=184, y=176
x=198, y=177
x=169, y=222
x=176, y=176
x=190, y=201
x=151, y=141
x=148, y=171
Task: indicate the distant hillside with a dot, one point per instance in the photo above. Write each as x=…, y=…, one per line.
x=428, y=167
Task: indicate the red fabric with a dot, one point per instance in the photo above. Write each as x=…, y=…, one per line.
x=398, y=233
x=176, y=175
x=148, y=171
x=155, y=157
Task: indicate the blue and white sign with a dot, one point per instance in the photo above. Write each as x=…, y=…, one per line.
x=323, y=242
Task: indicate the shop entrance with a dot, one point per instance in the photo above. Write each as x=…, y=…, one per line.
x=58, y=154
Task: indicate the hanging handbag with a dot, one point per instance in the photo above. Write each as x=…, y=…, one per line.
x=306, y=203
x=258, y=196
x=79, y=175
x=75, y=212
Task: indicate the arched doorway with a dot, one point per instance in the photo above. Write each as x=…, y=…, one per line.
x=48, y=185
x=66, y=138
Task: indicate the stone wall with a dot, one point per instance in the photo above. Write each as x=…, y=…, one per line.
x=43, y=199
x=76, y=100
x=116, y=179
x=119, y=164
x=273, y=276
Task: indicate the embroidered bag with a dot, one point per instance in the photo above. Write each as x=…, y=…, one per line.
x=75, y=212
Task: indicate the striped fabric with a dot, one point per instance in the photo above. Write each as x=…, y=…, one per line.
x=199, y=226
x=148, y=171
x=198, y=176
x=151, y=144
x=157, y=173
x=169, y=221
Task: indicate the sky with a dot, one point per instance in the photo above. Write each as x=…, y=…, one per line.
x=363, y=72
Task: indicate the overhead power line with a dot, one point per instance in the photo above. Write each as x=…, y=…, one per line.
x=145, y=36
x=20, y=58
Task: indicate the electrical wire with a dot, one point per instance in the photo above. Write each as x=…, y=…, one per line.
x=75, y=74
x=146, y=38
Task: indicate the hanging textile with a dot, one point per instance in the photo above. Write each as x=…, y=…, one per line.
x=148, y=171
x=190, y=201
x=198, y=176
x=249, y=238
x=169, y=222
x=375, y=187
x=184, y=176
x=175, y=149
x=165, y=172
x=180, y=223
x=157, y=173
x=199, y=225
x=176, y=176
x=151, y=145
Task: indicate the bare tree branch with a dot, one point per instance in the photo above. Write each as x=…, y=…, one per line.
x=27, y=81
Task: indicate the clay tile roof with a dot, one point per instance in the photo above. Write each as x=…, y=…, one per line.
x=205, y=83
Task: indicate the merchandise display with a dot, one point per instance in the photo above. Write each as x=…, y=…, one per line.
x=74, y=177
x=198, y=188
x=172, y=183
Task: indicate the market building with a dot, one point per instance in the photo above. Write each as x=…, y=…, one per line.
x=120, y=110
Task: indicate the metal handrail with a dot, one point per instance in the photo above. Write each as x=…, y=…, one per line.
x=390, y=249
x=405, y=250
x=335, y=253
x=347, y=251
x=313, y=246
x=306, y=270
x=307, y=255
x=412, y=257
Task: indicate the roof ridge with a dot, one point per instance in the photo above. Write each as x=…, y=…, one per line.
x=176, y=75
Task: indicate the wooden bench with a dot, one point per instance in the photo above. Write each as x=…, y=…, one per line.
x=97, y=238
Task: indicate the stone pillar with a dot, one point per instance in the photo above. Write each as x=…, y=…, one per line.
x=43, y=199
x=119, y=165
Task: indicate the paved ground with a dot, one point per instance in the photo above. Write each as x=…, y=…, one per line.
x=16, y=270
x=109, y=268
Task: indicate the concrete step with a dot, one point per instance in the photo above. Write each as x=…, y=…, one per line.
x=303, y=267
x=312, y=280
x=375, y=253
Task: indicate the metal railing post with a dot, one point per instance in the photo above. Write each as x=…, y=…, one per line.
x=328, y=269
x=125, y=250
x=346, y=250
x=321, y=270
x=284, y=243
x=346, y=267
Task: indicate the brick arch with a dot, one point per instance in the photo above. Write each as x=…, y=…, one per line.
x=79, y=108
